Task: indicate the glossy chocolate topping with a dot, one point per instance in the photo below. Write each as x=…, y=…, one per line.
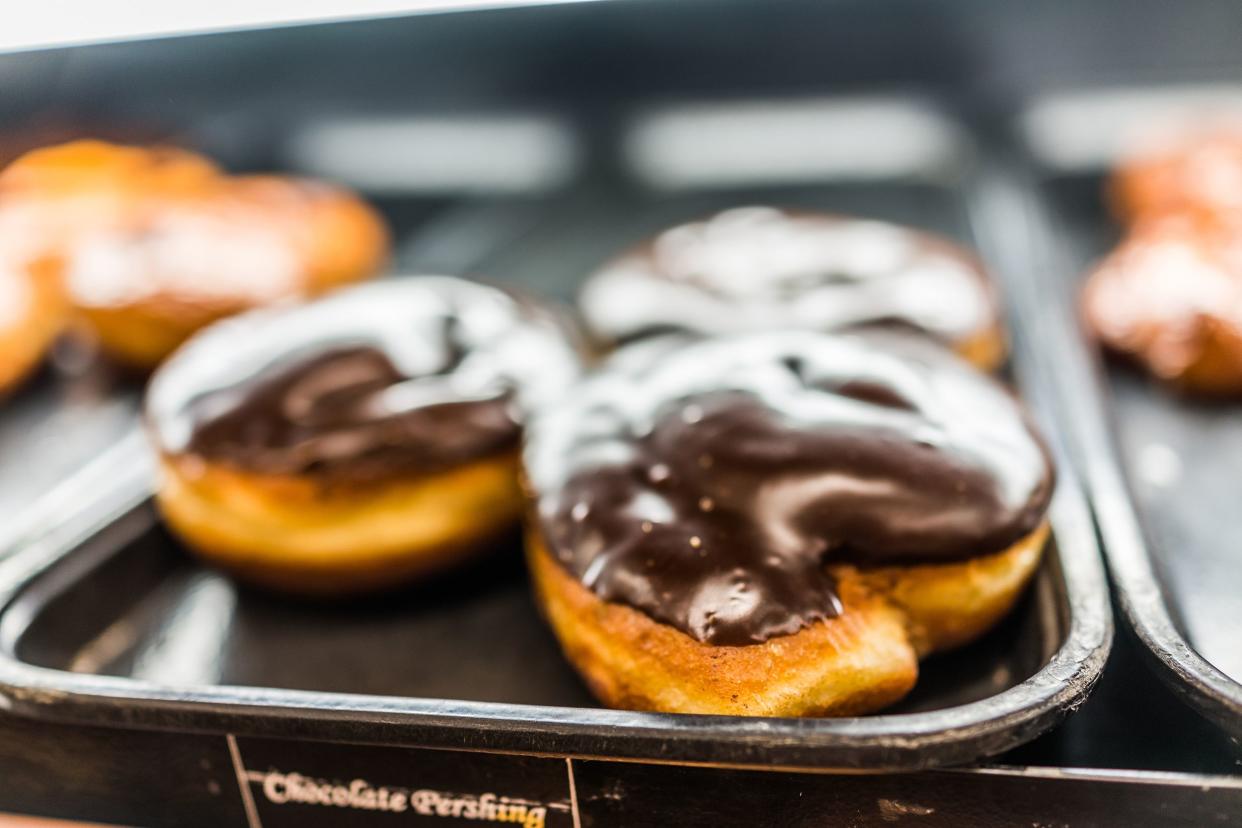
x=758, y=268
x=710, y=484
x=402, y=377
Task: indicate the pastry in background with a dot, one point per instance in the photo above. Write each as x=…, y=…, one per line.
x=1189, y=171
x=155, y=243
x=91, y=175
x=32, y=314
x=1170, y=297
x=779, y=524
x=759, y=268
x=358, y=441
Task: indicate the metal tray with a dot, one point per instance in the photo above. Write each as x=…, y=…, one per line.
x=104, y=619
x=1161, y=470
x=1159, y=466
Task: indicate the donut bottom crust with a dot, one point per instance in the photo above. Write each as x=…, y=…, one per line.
x=293, y=535
x=859, y=662
x=949, y=605
x=1217, y=372
x=25, y=340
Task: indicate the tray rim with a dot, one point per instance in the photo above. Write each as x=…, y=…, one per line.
x=1085, y=401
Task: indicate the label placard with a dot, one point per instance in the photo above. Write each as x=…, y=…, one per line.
x=316, y=783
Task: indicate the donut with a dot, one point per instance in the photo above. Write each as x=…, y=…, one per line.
x=1169, y=297
x=759, y=268
x=1189, y=171
x=32, y=314
x=156, y=243
x=88, y=173
x=358, y=441
x=779, y=523
x=49, y=195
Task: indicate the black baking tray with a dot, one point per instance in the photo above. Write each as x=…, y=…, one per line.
x=1161, y=467
x=104, y=619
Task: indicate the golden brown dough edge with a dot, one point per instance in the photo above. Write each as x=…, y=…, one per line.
x=948, y=605
x=858, y=662
x=143, y=333
x=25, y=340
x=292, y=534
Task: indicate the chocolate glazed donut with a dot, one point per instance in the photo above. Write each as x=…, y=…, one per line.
x=758, y=268
x=780, y=524
x=357, y=441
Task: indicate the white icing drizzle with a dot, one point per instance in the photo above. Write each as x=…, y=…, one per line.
x=758, y=268
x=508, y=346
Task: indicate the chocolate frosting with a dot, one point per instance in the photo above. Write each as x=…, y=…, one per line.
x=408, y=376
x=758, y=268
x=710, y=484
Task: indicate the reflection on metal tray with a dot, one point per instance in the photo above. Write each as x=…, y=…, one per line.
x=1162, y=469
x=154, y=640
x=93, y=404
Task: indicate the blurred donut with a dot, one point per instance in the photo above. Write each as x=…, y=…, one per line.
x=1192, y=171
x=1170, y=297
x=758, y=268
x=155, y=243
